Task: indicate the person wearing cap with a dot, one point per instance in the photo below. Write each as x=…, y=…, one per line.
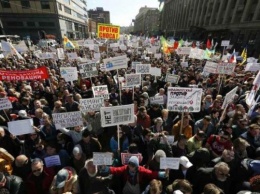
x=135, y=176
x=40, y=178
x=65, y=181
x=195, y=142
x=78, y=158
x=12, y=183
x=22, y=114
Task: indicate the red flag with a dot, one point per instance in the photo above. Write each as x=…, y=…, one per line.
x=175, y=44
x=208, y=44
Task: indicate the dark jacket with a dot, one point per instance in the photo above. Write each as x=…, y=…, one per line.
x=92, y=146
x=14, y=184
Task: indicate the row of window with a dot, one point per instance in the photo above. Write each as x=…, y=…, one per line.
x=25, y=4
x=30, y=24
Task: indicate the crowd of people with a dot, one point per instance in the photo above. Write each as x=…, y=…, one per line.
x=218, y=148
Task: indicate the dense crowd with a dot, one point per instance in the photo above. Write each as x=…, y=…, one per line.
x=218, y=148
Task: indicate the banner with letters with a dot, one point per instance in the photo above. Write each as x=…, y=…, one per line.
x=102, y=158
x=169, y=163
x=184, y=99
x=156, y=71
x=72, y=56
x=5, y=104
x=252, y=67
x=115, y=63
x=69, y=73
x=196, y=53
x=107, y=31
x=88, y=70
x=226, y=68
x=172, y=78
x=67, y=119
x=133, y=64
x=91, y=104
x=156, y=100
x=132, y=80
x=143, y=68
x=117, y=115
x=60, y=53
x=183, y=50
x=210, y=67
x=100, y=91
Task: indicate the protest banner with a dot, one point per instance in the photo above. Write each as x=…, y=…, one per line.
x=225, y=42
x=117, y=115
x=172, y=78
x=5, y=104
x=226, y=68
x=169, y=163
x=133, y=64
x=184, y=99
x=69, y=73
x=132, y=80
x=196, y=53
x=115, y=63
x=102, y=158
x=184, y=64
x=251, y=60
x=23, y=75
x=21, y=127
x=89, y=41
x=88, y=70
x=252, y=67
x=157, y=55
x=100, y=91
x=67, y=119
x=156, y=100
x=47, y=55
x=210, y=67
x=72, y=56
x=97, y=55
x=143, y=68
x=122, y=47
x=229, y=97
x=91, y=104
x=106, y=31
x=52, y=161
x=60, y=53
x=126, y=156
x=183, y=50
x=156, y=71
x=113, y=45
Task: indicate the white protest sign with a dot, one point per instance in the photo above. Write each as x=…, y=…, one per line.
x=184, y=64
x=2, y=56
x=102, y=158
x=132, y=80
x=196, y=53
x=126, y=156
x=72, y=56
x=113, y=45
x=88, y=70
x=156, y=71
x=172, y=78
x=97, y=55
x=122, y=47
x=156, y=100
x=96, y=48
x=61, y=54
x=46, y=55
x=170, y=139
x=69, y=73
x=134, y=64
x=229, y=97
x=52, y=161
x=5, y=103
x=251, y=60
x=21, y=127
x=117, y=115
x=183, y=50
x=210, y=67
x=252, y=67
x=143, y=68
x=89, y=41
x=157, y=55
x=91, y=104
x=169, y=163
x=184, y=99
x=100, y=91
x=257, y=79
x=67, y=119
x=225, y=42
x=226, y=68
x=115, y=63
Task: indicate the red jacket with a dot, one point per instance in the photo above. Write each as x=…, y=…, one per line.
x=144, y=174
x=144, y=122
x=46, y=183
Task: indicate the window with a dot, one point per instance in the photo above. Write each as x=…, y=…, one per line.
x=45, y=4
x=14, y=23
x=46, y=24
x=67, y=10
x=30, y=24
x=67, y=1
x=25, y=4
x=68, y=25
x=5, y=4
x=60, y=7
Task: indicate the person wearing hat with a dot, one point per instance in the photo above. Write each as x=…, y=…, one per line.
x=12, y=183
x=195, y=142
x=66, y=181
x=22, y=114
x=134, y=176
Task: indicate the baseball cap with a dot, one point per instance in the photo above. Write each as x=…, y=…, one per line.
x=184, y=161
x=61, y=178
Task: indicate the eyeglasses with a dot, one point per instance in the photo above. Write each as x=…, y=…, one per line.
x=37, y=170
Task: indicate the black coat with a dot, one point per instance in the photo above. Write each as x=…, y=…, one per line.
x=14, y=184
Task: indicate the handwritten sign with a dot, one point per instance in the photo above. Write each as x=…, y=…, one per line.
x=67, y=119
x=21, y=127
x=143, y=68
x=169, y=163
x=102, y=158
x=126, y=156
x=117, y=115
x=196, y=53
x=88, y=70
x=100, y=91
x=172, y=78
x=132, y=80
x=91, y=104
x=52, y=161
x=5, y=103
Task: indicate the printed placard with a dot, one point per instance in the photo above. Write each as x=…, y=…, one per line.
x=132, y=80
x=143, y=68
x=106, y=31
x=61, y=54
x=88, y=70
x=72, y=56
x=21, y=127
x=196, y=53
x=225, y=42
x=210, y=67
x=183, y=50
x=252, y=67
x=226, y=68
x=67, y=119
x=133, y=65
x=156, y=100
x=115, y=63
x=229, y=97
x=117, y=115
x=102, y=158
x=91, y=104
x=157, y=55
x=126, y=156
x=52, y=161
x=69, y=73
x=100, y=91
x=184, y=99
x=169, y=163
x=184, y=64
x=97, y=55
x=5, y=104
x=122, y=47
x=172, y=78
x=156, y=71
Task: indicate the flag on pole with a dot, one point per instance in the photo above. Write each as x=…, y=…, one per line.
x=212, y=44
x=165, y=45
x=67, y=43
x=180, y=43
x=233, y=58
x=175, y=44
x=208, y=44
x=244, y=55
x=8, y=48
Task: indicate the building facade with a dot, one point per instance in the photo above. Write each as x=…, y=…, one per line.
x=99, y=15
x=55, y=17
x=234, y=20
x=147, y=21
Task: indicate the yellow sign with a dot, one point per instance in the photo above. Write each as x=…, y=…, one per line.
x=107, y=31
